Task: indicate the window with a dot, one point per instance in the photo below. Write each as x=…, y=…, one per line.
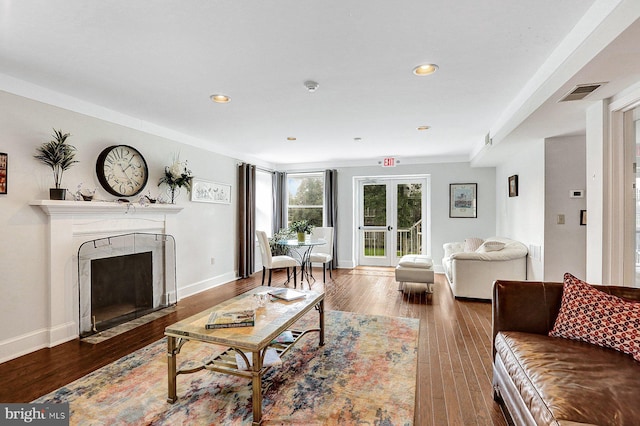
x=305, y=197
x=264, y=202
x=264, y=210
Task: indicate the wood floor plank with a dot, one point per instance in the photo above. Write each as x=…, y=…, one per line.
x=453, y=383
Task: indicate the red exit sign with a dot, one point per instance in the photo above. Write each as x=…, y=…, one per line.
x=389, y=162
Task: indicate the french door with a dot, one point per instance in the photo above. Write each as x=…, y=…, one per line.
x=391, y=219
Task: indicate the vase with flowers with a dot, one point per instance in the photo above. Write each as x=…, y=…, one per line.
x=175, y=177
x=301, y=227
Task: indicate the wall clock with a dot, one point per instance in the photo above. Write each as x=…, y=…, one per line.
x=122, y=170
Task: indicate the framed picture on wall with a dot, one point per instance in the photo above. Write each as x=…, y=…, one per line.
x=462, y=200
x=4, y=161
x=210, y=192
x=513, y=186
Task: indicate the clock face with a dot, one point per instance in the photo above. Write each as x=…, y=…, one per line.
x=122, y=170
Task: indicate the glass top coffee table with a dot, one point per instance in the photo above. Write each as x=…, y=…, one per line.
x=251, y=343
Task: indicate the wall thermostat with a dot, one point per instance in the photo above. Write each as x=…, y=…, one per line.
x=576, y=193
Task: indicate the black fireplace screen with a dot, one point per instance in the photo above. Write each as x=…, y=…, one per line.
x=124, y=277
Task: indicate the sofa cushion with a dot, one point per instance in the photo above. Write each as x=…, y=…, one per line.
x=563, y=381
x=490, y=246
x=472, y=244
x=593, y=316
x=415, y=261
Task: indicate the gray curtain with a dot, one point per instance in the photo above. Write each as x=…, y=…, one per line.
x=279, y=200
x=331, y=206
x=246, y=219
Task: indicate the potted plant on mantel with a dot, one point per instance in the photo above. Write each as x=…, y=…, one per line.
x=301, y=227
x=58, y=155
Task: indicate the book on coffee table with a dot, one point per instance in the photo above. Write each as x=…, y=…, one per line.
x=287, y=294
x=229, y=319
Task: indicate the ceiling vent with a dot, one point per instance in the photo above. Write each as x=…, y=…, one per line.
x=580, y=92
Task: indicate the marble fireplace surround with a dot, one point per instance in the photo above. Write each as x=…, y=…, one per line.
x=72, y=223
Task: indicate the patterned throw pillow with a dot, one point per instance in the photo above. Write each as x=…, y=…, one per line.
x=599, y=318
x=472, y=244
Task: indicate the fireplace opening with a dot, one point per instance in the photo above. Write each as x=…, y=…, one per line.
x=121, y=288
x=124, y=277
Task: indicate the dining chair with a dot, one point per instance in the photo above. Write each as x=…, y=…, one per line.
x=271, y=262
x=324, y=253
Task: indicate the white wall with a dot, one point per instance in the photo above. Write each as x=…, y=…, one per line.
x=565, y=244
x=443, y=228
x=522, y=218
x=596, y=128
x=203, y=231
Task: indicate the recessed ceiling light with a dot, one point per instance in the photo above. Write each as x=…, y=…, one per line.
x=220, y=99
x=425, y=69
x=291, y=138
x=357, y=139
x=424, y=127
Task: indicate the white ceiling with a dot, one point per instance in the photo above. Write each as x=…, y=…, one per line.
x=154, y=64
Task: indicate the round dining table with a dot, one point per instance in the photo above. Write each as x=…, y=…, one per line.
x=301, y=250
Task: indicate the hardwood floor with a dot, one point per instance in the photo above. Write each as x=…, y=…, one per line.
x=454, y=360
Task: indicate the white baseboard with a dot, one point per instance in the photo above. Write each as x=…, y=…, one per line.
x=24, y=344
x=207, y=284
x=346, y=264
x=43, y=338
x=48, y=337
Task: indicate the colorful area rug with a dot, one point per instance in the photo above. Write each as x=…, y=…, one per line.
x=365, y=374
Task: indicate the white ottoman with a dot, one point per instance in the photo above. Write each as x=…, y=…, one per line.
x=415, y=268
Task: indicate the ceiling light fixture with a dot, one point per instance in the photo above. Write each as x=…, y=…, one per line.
x=311, y=85
x=220, y=99
x=291, y=138
x=357, y=139
x=425, y=69
x=424, y=128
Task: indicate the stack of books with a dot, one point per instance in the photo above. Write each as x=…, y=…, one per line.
x=229, y=319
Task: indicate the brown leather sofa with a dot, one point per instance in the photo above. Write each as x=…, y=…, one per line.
x=542, y=380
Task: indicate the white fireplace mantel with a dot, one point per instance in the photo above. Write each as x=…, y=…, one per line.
x=59, y=207
x=72, y=223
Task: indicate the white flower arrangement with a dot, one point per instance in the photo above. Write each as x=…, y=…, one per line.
x=177, y=175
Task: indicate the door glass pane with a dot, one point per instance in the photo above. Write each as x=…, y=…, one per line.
x=374, y=214
x=409, y=206
x=375, y=205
